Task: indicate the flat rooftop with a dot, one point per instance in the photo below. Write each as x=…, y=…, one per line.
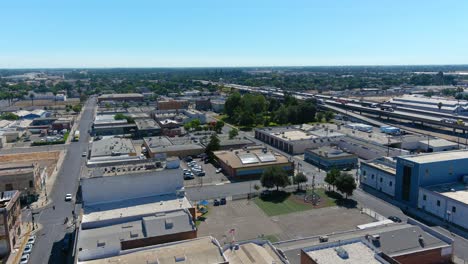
x=111, y=236
x=356, y=252
x=96, y=213
x=112, y=147
x=250, y=157
x=456, y=191
x=331, y=153
x=115, y=96
x=437, y=156
x=146, y=123
x=404, y=241
x=381, y=166
x=204, y=250
x=439, y=143
x=253, y=253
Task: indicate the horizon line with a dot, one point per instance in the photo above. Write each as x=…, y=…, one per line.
x=228, y=67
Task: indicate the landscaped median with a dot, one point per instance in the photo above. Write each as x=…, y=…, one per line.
x=280, y=202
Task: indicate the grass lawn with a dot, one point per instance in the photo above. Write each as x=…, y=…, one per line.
x=278, y=203
x=202, y=218
x=327, y=198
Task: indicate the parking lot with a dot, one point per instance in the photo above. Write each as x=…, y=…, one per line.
x=250, y=222
x=211, y=177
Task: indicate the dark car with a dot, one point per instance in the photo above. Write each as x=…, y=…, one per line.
x=222, y=201
x=216, y=202
x=188, y=159
x=395, y=219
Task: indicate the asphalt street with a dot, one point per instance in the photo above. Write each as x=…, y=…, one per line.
x=49, y=238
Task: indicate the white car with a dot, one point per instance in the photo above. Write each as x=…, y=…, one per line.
x=28, y=248
x=68, y=197
x=32, y=239
x=24, y=259
x=218, y=170
x=84, y=154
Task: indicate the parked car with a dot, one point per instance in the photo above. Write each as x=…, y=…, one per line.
x=216, y=202
x=201, y=173
x=218, y=170
x=28, y=248
x=189, y=176
x=84, y=154
x=24, y=259
x=395, y=219
x=68, y=197
x=186, y=170
x=32, y=239
x=188, y=159
x=222, y=201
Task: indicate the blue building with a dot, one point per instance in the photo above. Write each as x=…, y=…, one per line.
x=425, y=170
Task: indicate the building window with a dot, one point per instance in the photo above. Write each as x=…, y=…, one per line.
x=438, y=202
x=381, y=179
x=31, y=184
x=427, y=172
x=8, y=187
x=372, y=176
x=424, y=197
x=390, y=183
x=451, y=170
x=454, y=209
x=364, y=173
x=406, y=185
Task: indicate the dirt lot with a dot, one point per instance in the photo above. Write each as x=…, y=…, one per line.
x=250, y=222
x=48, y=159
x=25, y=103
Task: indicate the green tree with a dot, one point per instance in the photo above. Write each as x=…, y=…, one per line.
x=9, y=116
x=212, y=146
x=331, y=177
x=256, y=187
x=31, y=96
x=346, y=184
x=219, y=126
x=232, y=104
x=119, y=116
x=329, y=115
x=233, y=133
x=274, y=177
x=300, y=178
x=125, y=105
x=76, y=108
x=439, y=105
x=320, y=116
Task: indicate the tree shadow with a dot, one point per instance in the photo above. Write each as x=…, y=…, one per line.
x=275, y=197
x=340, y=200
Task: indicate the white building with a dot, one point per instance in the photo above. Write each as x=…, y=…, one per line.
x=430, y=104
x=447, y=201
x=379, y=174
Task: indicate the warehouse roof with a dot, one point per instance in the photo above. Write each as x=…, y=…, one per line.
x=456, y=190
x=250, y=157
x=437, y=156
x=199, y=250
x=112, y=147
x=259, y=252
x=147, y=123
x=353, y=251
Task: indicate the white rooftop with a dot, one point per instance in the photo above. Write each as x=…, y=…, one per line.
x=438, y=156
x=455, y=191
x=357, y=252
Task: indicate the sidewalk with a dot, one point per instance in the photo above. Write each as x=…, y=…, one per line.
x=419, y=215
x=15, y=255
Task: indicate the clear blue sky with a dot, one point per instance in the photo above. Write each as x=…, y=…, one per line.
x=151, y=33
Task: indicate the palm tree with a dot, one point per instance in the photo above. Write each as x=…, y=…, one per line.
x=31, y=96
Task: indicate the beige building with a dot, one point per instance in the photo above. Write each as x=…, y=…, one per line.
x=10, y=221
x=25, y=177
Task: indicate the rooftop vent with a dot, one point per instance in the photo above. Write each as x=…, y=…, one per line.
x=342, y=253
x=101, y=243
